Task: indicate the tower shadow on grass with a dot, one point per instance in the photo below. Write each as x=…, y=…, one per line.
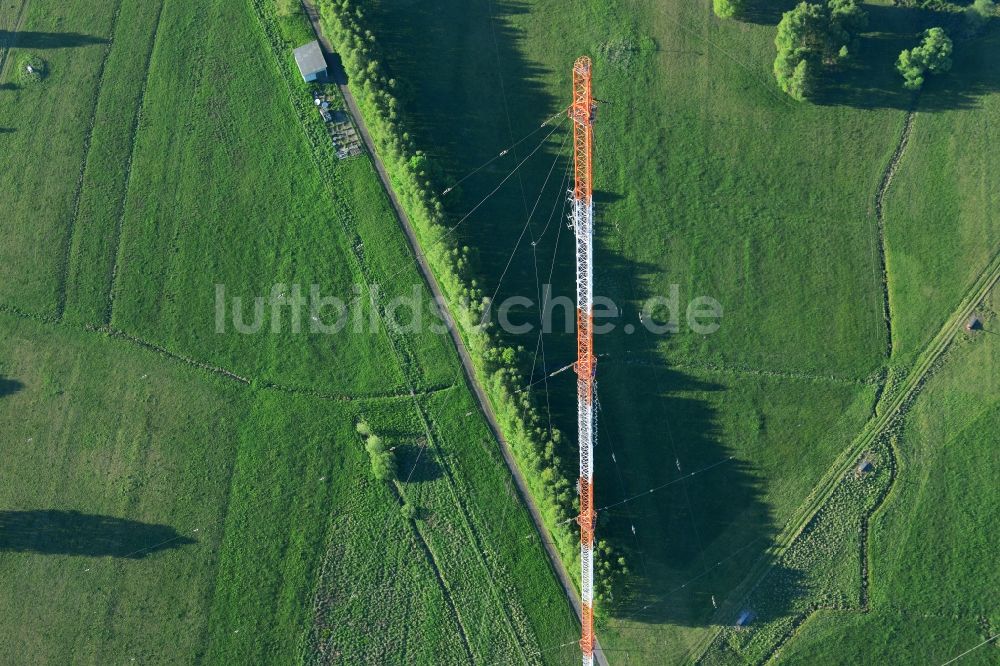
x=56, y=532
x=8, y=386
x=48, y=40
x=449, y=60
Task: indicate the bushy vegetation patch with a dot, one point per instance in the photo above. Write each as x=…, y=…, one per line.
x=727, y=8
x=31, y=69
x=933, y=55
x=293, y=22
x=824, y=568
x=383, y=460
x=811, y=36
x=932, y=514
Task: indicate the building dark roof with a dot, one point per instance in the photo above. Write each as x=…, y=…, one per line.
x=309, y=58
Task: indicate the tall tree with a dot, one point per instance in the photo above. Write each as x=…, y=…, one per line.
x=816, y=33
x=932, y=55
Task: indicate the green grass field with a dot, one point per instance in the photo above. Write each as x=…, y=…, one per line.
x=932, y=582
x=709, y=178
x=939, y=225
x=44, y=140
x=175, y=495
x=178, y=495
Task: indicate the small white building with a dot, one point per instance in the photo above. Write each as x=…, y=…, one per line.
x=312, y=64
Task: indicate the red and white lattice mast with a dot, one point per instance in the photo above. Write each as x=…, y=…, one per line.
x=582, y=216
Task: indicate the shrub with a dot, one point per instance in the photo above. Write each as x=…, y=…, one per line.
x=383, y=462
x=293, y=23
x=31, y=70
x=409, y=511
x=800, y=85
x=727, y=8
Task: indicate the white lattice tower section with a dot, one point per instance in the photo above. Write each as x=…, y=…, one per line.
x=582, y=217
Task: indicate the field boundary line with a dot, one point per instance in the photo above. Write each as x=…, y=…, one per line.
x=485, y=406
x=120, y=224
x=250, y=381
x=893, y=406
x=411, y=372
x=883, y=188
x=67, y=245
x=865, y=518
x=217, y=370
x=405, y=358
x=120, y=200
x=432, y=561
x=896, y=398
x=474, y=536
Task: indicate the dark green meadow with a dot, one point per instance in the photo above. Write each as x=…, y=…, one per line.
x=711, y=179
x=173, y=494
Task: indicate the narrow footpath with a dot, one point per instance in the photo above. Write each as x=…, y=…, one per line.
x=470, y=374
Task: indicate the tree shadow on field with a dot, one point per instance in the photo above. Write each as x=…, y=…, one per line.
x=8, y=386
x=415, y=462
x=869, y=79
x=467, y=93
x=7, y=130
x=55, y=532
x=765, y=12
x=48, y=40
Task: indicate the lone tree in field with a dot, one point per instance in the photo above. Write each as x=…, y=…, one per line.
x=383, y=461
x=815, y=34
x=932, y=55
x=727, y=8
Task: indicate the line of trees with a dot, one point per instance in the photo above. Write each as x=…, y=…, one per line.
x=812, y=36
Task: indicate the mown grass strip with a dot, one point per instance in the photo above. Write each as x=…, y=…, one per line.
x=97, y=218
x=46, y=127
